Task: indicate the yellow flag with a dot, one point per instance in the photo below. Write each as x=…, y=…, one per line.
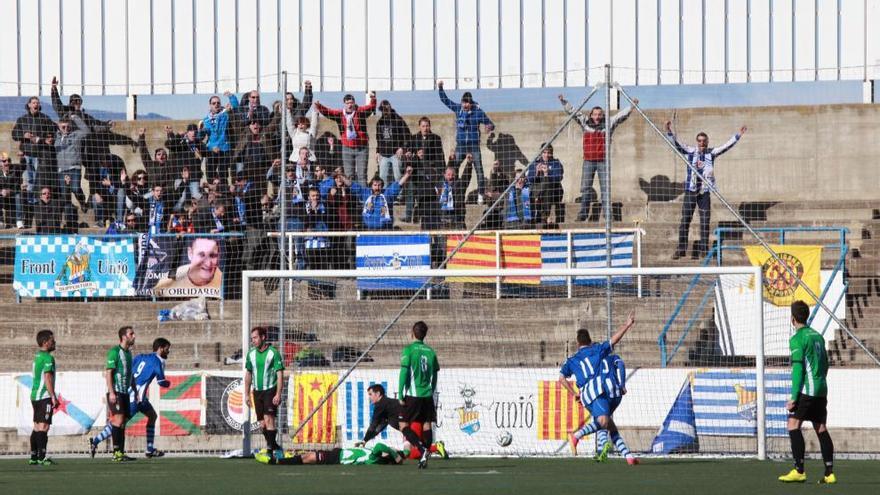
x=780, y=288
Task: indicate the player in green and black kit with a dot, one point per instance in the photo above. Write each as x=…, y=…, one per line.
x=118, y=376
x=264, y=368
x=416, y=386
x=379, y=454
x=43, y=397
x=809, y=391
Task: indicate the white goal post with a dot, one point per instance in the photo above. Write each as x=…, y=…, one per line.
x=379, y=327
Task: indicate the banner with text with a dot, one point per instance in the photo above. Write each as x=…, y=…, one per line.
x=187, y=267
x=73, y=266
x=395, y=252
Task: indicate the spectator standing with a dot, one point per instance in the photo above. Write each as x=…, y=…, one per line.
x=68, y=153
x=35, y=133
x=696, y=191
x=47, y=217
x=156, y=216
x=499, y=179
x=378, y=202
x=451, y=193
x=11, y=191
x=545, y=176
x=425, y=155
x=468, y=118
x=352, y=122
x=215, y=126
x=392, y=135
x=157, y=166
x=255, y=158
x=327, y=151
x=342, y=215
x=594, y=153
x=186, y=150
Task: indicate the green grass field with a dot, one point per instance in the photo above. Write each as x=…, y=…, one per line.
x=452, y=477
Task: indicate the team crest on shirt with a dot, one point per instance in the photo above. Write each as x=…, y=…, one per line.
x=468, y=415
x=746, y=402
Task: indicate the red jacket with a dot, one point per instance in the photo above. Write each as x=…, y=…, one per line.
x=360, y=123
x=594, y=146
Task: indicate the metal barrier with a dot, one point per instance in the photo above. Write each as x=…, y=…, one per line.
x=294, y=255
x=717, y=253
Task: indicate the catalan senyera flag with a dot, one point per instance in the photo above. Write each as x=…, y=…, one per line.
x=517, y=251
x=309, y=389
x=780, y=288
x=559, y=412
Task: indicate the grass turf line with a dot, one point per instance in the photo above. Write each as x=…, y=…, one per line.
x=457, y=476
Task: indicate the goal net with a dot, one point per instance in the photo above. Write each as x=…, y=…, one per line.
x=695, y=371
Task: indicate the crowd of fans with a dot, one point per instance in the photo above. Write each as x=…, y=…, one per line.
x=226, y=173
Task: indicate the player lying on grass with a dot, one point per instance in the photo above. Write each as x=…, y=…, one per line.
x=586, y=366
x=378, y=454
x=386, y=412
x=146, y=368
x=613, y=383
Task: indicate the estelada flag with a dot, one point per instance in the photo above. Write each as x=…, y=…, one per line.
x=780, y=287
x=481, y=251
x=559, y=412
x=309, y=389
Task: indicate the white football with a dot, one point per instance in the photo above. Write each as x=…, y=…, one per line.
x=504, y=438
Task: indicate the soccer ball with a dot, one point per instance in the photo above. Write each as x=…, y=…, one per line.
x=504, y=438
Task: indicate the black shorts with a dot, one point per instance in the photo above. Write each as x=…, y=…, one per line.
x=418, y=410
x=328, y=456
x=809, y=408
x=121, y=406
x=42, y=411
x=263, y=403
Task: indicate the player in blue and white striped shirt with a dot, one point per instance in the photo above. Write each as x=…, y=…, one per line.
x=145, y=369
x=601, y=378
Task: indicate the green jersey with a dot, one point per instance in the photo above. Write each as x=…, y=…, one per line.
x=119, y=361
x=264, y=366
x=43, y=363
x=418, y=371
x=809, y=364
x=379, y=454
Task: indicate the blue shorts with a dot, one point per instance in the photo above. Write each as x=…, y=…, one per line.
x=601, y=406
x=143, y=406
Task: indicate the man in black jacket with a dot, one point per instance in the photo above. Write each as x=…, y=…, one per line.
x=427, y=167
x=35, y=132
x=48, y=215
x=392, y=135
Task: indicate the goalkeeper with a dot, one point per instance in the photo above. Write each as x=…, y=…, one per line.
x=385, y=413
x=379, y=454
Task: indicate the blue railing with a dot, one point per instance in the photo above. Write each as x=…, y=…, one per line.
x=666, y=356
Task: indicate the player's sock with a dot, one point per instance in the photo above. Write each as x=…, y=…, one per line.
x=151, y=436
x=45, y=445
x=116, y=434
x=270, y=436
x=428, y=437
x=587, y=429
x=122, y=438
x=34, y=448
x=105, y=434
x=827, y=448
x=601, y=438
x=620, y=445
x=412, y=438
x=797, y=448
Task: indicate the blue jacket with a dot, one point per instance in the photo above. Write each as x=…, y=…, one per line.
x=554, y=170
x=215, y=127
x=467, y=124
x=378, y=211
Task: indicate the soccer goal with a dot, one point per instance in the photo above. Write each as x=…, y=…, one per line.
x=697, y=380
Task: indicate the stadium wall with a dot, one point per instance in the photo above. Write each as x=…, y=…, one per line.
x=792, y=153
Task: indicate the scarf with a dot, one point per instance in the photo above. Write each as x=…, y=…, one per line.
x=348, y=118
x=377, y=201
x=447, y=198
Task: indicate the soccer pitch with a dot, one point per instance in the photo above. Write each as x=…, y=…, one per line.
x=451, y=477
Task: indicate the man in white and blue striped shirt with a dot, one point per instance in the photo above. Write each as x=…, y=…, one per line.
x=696, y=188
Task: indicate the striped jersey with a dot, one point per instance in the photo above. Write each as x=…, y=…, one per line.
x=44, y=363
x=586, y=366
x=704, y=161
x=264, y=366
x=119, y=361
x=809, y=364
x=147, y=367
